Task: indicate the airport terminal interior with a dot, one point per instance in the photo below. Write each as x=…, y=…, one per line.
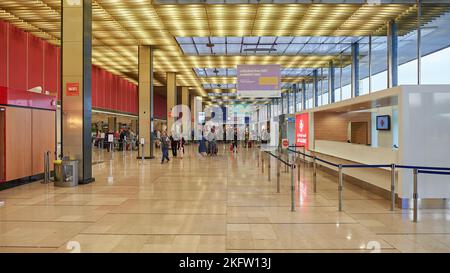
x=224, y=126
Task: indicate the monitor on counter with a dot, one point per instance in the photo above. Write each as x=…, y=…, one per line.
x=384, y=122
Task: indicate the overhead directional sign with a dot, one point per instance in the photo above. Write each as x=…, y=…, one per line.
x=263, y=81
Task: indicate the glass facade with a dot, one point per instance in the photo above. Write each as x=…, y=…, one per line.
x=372, y=61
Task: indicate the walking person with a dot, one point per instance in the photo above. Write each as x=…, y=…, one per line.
x=235, y=140
x=181, y=147
x=173, y=145
x=202, y=146
x=165, y=147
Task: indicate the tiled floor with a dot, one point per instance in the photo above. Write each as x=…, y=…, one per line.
x=220, y=204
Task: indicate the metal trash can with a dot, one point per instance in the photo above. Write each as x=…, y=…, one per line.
x=69, y=174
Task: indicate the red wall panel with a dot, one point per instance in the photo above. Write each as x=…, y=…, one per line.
x=35, y=65
x=113, y=91
x=101, y=88
x=50, y=68
x=3, y=53
x=129, y=86
x=136, y=100
x=160, y=104
x=94, y=86
x=33, y=62
x=17, y=59
x=123, y=95
x=108, y=90
x=132, y=97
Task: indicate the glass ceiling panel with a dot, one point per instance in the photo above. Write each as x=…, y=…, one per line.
x=201, y=40
x=265, y=45
x=284, y=40
x=234, y=40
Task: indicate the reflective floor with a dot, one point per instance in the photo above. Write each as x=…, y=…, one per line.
x=218, y=204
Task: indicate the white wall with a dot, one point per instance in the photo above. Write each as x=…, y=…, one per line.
x=424, y=137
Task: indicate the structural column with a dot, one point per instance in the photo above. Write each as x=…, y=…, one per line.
x=76, y=78
x=392, y=51
x=112, y=124
x=146, y=101
x=185, y=101
x=171, y=84
x=192, y=109
x=295, y=87
x=355, y=70
x=315, y=88
x=331, y=83
x=303, y=95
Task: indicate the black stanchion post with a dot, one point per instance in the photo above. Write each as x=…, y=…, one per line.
x=340, y=187
x=278, y=176
x=415, y=195
x=292, y=188
x=314, y=169
x=392, y=187
x=262, y=163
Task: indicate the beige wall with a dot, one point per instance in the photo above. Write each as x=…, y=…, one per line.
x=336, y=126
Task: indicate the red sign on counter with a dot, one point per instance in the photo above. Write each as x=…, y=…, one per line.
x=72, y=89
x=302, y=130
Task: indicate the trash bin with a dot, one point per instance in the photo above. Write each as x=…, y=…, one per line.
x=69, y=174
x=58, y=170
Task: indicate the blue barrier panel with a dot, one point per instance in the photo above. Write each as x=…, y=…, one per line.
x=300, y=153
x=422, y=168
x=367, y=166
x=279, y=158
x=433, y=172
x=327, y=162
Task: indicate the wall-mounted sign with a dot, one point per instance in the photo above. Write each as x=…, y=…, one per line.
x=302, y=130
x=72, y=89
x=259, y=81
x=285, y=143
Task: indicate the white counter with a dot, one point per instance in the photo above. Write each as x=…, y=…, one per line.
x=348, y=153
x=356, y=152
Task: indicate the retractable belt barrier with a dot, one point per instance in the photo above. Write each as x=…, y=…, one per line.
x=291, y=166
x=416, y=171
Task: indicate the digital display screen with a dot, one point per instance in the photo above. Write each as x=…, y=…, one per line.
x=383, y=122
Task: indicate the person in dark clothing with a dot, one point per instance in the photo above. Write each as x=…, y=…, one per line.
x=174, y=146
x=165, y=147
x=122, y=140
x=235, y=141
